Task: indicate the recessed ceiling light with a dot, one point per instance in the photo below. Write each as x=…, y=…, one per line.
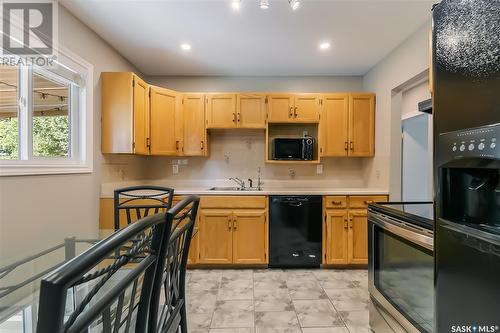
x=264, y=4
x=236, y=4
x=324, y=46
x=294, y=4
x=185, y=47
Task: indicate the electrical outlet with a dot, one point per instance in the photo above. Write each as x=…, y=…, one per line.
x=319, y=169
x=175, y=169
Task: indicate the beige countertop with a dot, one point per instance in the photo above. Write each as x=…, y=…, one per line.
x=269, y=188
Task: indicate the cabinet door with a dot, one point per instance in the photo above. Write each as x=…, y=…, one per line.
x=358, y=237
x=362, y=125
x=307, y=108
x=194, y=246
x=251, y=111
x=193, y=110
x=141, y=116
x=215, y=231
x=163, y=110
x=221, y=111
x=250, y=237
x=280, y=108
x=336, y=229
x=334, y=125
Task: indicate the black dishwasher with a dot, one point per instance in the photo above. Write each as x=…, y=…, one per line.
x=295, y=231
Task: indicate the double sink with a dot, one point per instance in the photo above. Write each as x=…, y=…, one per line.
x=233, y=188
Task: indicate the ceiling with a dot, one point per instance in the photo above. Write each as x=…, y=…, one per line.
x=252, y=41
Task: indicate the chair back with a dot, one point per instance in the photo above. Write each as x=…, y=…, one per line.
x=168, y=304
x=135, y=202
x=109, y=293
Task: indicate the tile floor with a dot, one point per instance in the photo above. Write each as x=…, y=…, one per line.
x=277, y=301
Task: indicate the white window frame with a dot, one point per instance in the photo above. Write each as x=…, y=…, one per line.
x=81, y=122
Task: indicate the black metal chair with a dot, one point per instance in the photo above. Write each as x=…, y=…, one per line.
x=112, y=295
x=141, y=200
x=168, y=313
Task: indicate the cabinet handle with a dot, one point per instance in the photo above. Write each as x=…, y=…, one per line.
x=229, y=223
x=336, y=202
x=235, y=226
x=350, y=222
x=238, y=117
x=202, y=145
x=234, y=117
x=368, y=202
x=148, y=143
x=177, y=145
x=291, y=112
x=345, y=224
x=352, y=145
x=346, y=145
x=295, y=112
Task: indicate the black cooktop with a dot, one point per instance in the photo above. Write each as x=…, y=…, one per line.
x=420, y=213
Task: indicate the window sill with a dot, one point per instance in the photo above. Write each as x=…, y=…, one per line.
x=54, y=169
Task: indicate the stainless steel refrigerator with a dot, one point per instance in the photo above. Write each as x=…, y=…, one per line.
x=466, y=108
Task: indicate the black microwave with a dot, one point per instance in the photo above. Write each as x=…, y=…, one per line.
x=293, y=149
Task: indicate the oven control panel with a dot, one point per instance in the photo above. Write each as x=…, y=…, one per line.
x=482, y=142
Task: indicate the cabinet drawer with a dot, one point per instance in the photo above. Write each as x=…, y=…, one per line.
x=338, y=201
x=232, y=202
x=363, y=201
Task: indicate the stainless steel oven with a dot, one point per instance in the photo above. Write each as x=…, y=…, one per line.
x=401, y=267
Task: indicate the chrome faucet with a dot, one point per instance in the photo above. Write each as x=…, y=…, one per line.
x=259, y=181
x=238, y=181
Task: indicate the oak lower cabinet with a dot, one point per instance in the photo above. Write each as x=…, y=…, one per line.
x=336, y=224
x=216, y=236
x=345, y=230
x=233, y=230
x=358, y=237
x=250, y=236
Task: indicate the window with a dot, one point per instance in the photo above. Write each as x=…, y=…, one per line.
x=46, y=118
x=9, y=119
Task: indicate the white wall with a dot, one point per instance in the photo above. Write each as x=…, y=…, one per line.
x=259, y=83
x=407, y=61
x=36, y=210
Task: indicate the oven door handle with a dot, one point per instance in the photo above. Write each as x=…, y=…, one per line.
x=414, y=237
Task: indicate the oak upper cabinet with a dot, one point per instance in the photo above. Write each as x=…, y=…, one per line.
x=280, y=108
x=289, y=108
x=221, y=111
x=216, y=239
x=195, y=134
x=125, y=114
x=334, y=125
x=307, y=108
x=250, y=234
x=251, y=111
x=336, y=228
x=361, y=125
x=165, y=122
